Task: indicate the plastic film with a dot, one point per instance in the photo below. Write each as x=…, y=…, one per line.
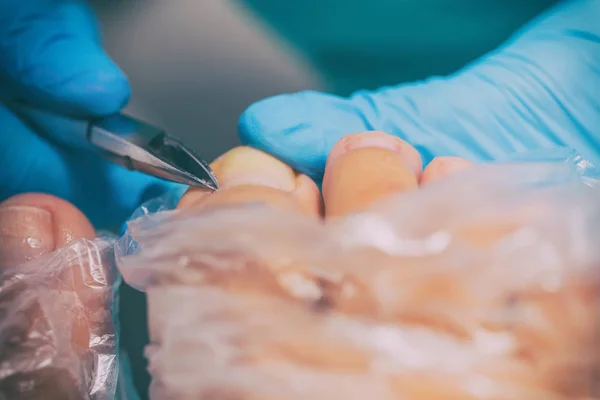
x=484, y=286
x=58, y=325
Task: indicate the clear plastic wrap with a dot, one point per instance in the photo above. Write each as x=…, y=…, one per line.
x=484, y=286
x=58, y=325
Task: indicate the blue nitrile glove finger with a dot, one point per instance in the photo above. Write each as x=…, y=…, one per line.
x=539, y=91
x=51, y=57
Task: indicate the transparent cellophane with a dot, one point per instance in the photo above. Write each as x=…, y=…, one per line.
x=483, y=286
x=59, y=328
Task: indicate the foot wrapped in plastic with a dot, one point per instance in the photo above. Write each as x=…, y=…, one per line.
x=58, y=288
x=453, y=282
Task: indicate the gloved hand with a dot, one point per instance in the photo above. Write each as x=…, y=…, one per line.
x=541, y=90
x=51, y=57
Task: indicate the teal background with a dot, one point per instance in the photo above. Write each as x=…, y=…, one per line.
x=358, y=44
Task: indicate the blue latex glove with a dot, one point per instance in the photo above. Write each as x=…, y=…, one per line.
x=51, y=57
x=541, y=90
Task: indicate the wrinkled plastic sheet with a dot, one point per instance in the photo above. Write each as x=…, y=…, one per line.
x=482, y=286
x=247, y=303
x=58, y=327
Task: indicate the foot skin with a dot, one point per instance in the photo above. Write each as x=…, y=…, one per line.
x=361, y=169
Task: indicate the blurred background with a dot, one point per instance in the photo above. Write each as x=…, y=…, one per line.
x=195, y=65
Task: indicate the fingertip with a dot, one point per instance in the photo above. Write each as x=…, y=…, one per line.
x=53, y=59
x=269, y=116
x=271, y=124
x=300, y=129
x=91, y=86
x=99, y=90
